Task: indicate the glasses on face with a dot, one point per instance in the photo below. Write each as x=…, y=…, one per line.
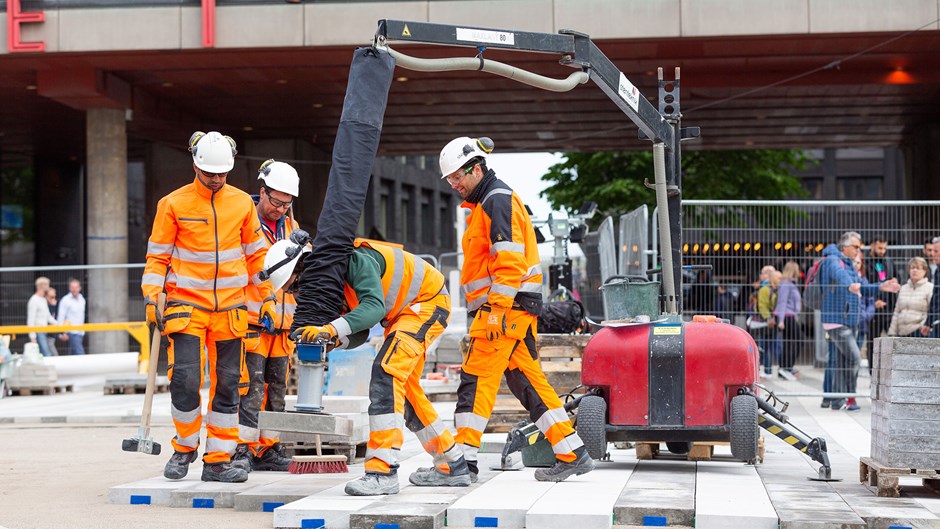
x=454, y=178
x=856, y=246
x=207, y=174
x=278, y=203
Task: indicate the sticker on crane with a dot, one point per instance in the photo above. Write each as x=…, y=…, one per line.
x=405, y=32
x=486, y=36
x=667, y=330
x=628, y=92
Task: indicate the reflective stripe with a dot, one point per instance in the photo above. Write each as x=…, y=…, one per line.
x=531, y=287
x=470, y=420
x=469, y=452
x=209, y=257
x=252, y=248
x=239, y=281
x=171, y=277
x=452, y=454
x=154, y=248
x=551, y=417
x=214, y=444
x=476, y=284
x=416, y=280
x=222, y=420
x=504, y=290
x=475, y=304
x=342, y=327
x=568, y=444
x=430, y=432
x=270, y=434
x=507, y=246
x=254, y=307
x=153, y=279
x=191, y=441
x=385, y=454
x=256, y=281
x=395, y=285
x=185, y=417
x=534, y=270
x=495, y=192
x=289, y=308
x=247, y=433
x=386, y=421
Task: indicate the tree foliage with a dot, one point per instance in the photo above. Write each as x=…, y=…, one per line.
x=615, y=179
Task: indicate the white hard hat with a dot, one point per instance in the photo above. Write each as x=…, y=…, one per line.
x=461, y=151
x=280, y=176
x=277, y=253
x=212, y=152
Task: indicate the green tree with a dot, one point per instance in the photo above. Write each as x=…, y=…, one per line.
x=615, y=179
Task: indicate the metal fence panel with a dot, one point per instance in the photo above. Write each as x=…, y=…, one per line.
x=634, y=242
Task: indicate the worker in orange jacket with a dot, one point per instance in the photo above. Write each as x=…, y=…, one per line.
x=268, y=353
x=205, y=247
x=502, y=281
x=387, y=285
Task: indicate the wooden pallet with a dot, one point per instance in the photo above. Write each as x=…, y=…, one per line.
x=699, y=451
x=885, y=479
x=134, y=389
x=25, y=391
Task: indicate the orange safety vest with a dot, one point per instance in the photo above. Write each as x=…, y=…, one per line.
x=407, y=280
x=204, y=248
x=285, y=304
x=499, y=261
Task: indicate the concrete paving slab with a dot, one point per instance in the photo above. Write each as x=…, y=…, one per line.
x=889, y=512
x=215, y=495
x=586, y=501
x=305, y=422
x=293, y=487
x=658, y=491
x=399, y=515
x=731, y=496
x=504, y=500
x=330, y=508
x=151, y=491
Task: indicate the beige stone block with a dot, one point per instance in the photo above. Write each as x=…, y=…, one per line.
x=705, y=18
x=862, y=16
x=136, y=28
x=618, y=19
x=519, y=15
x=354, y=24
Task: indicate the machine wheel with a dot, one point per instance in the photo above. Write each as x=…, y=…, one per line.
x=679, y=447
x=592, y=425
x=744, y=429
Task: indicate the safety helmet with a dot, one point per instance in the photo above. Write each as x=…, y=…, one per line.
x=212, y=152
x=461, y=151
x=279, y=251
x=280, y=176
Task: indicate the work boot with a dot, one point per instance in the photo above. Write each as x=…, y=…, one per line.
x=851, y=405
x=373, y=485
x=242, y=458
x=838, y=404
x=224, y=471
x=459, y=476
x=271, y=459
x=178, y=465
x=825, y=403
x=561, y=470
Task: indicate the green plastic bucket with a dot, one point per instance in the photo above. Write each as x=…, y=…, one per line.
x=627, y=297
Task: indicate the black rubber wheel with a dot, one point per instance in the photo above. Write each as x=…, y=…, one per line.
x=591, y=425
x=679, y=447
x=744, y=429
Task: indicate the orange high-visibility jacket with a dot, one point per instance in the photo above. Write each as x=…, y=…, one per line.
x=407, y=279
x=286, y=305
x=204, y=247
x=501, y=257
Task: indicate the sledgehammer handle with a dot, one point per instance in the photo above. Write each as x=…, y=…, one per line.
x=151, y=372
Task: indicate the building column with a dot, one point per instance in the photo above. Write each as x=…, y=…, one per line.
x=107, y=292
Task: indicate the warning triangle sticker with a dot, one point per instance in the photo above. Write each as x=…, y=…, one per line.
x=405, y=32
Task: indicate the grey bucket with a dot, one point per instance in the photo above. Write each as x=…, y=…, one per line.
x=630, y=296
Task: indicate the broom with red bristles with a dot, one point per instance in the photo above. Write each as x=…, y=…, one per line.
x=318, y=464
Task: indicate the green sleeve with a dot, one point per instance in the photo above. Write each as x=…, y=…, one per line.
x=358, y=339
x=364, y=276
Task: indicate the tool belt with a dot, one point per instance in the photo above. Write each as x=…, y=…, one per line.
x=256, y=330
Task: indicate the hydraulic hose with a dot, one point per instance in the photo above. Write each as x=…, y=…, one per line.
x=480, y=64
x=665, y=234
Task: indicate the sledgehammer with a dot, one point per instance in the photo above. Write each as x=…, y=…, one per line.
x=143, y=442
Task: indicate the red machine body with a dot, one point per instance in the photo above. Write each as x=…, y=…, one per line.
x=670, y=377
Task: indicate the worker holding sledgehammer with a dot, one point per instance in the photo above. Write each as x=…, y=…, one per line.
x=205, y=247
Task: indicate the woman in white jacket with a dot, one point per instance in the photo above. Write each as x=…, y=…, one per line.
x=910, y=312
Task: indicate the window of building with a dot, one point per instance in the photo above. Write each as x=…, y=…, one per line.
x=813, y=187
x=427, y=217
x=408, y=214
x=859, y=188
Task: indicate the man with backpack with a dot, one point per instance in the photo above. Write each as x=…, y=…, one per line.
x=841, y=291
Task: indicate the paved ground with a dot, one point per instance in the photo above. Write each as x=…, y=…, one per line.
x=61, y=455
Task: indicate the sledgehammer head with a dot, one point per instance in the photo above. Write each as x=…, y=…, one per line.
x=136, y=444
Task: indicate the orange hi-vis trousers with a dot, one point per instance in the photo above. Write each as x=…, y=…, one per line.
x=396, y=395
x=197, y=337
x=483, y=368
x=268, y=363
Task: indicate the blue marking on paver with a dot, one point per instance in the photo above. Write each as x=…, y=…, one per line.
x=269, y=506
x=312, y=523
x=654, y=521
x=485, y=521
x=140, y=500
x=899, y=527
x=203, y=503
x=387, y=526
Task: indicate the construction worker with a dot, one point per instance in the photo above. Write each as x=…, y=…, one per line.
x=385, y=284
x=502, y=281
x=205, y=245
x=268, y=354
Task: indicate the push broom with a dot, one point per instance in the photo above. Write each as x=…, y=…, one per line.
x=318, y=464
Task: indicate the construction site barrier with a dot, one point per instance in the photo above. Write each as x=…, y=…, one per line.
x=139, y=330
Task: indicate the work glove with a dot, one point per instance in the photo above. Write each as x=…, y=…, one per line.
x=266, y=315
x=312, y=333
x=496, y=323
x=154, y=315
